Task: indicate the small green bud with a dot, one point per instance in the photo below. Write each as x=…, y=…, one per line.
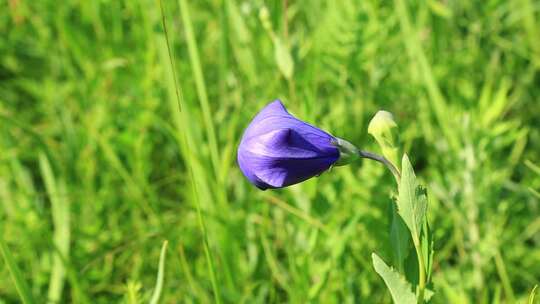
x=381, y=127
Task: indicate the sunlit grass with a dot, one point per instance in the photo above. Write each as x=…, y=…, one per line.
x=95, y=153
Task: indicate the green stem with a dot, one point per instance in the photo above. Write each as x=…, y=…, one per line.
x=421, y=270
x=382, y=160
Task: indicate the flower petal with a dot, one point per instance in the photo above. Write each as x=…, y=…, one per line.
x=278, y=149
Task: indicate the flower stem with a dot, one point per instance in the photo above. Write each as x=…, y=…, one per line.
x=382, y=160
x=421, y=270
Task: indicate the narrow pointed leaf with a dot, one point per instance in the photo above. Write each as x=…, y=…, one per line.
x=16, y=275
x=57, y=192
x=160, y=276
x=533, y=293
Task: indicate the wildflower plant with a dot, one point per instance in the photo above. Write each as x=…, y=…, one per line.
x=408, y=281
x=278, y=150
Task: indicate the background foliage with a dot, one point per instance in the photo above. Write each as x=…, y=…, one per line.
x=93, y=157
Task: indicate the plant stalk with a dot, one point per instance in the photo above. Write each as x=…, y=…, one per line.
x=421, y=270
x=383, y=160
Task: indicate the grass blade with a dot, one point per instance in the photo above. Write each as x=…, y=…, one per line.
x=18, y=280
x=533, y=293
x=200, y=85
x=160, y=275
x=188, y=150
x=61, y=237
x=438, y=102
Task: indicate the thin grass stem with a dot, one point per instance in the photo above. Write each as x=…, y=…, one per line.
x=187, y=144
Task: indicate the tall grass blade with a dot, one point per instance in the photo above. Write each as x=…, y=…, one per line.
x=61, y=236
x=438, y=103
x=16, y=276
x=186, y=142
x=160, y=275
x=533, y=293
x=200, y=84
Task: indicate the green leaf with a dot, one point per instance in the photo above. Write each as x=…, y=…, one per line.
x=60, y=209
x=161, y=273
x=531, y=296
x=412, y=200
x=400, y=289
x=16, y=275
x=411, y=267
x=283, y=58
x=399, y=238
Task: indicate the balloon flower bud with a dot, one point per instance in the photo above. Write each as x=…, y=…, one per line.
x=278, y=150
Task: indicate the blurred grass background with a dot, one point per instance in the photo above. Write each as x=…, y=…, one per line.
x=95, y=155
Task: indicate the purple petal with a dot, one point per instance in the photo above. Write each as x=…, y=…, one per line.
x=278, y=150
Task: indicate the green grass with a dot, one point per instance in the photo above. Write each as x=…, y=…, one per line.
x=99, y=165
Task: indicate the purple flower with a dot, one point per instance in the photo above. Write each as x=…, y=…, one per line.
x=278, y=150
